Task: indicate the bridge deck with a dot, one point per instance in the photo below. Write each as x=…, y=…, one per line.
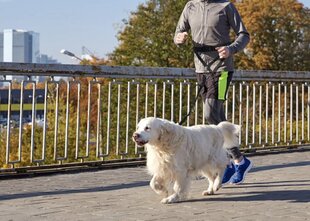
x=277, y=188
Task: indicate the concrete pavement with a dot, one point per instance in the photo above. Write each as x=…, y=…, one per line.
x=277, y=188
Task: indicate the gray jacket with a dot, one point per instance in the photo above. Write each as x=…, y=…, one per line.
x=209, y=22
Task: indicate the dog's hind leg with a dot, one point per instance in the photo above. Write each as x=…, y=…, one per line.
x=180, y=188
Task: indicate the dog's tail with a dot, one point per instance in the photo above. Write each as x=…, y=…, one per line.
x=231, y=134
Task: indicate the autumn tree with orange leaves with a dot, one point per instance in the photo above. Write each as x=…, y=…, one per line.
x=280, y=35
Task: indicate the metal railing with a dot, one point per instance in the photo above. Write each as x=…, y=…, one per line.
x=90, y=112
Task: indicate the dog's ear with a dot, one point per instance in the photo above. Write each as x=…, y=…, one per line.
x=165, y=131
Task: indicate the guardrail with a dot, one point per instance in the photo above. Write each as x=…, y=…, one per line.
x=90, y=112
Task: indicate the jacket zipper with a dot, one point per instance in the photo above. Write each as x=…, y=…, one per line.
x=203, y=21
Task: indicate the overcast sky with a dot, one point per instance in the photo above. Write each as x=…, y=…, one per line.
x=70, y=24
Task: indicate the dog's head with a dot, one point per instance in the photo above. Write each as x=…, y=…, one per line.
x=151, y=130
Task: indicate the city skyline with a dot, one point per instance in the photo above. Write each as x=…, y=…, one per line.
x=22, y=46
x=71, y=24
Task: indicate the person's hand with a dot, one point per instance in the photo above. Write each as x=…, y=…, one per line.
x=181, y=37
x=223, y=52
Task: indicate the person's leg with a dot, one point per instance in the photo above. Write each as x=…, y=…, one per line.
x=214, y=114
x=214, y=111
x=214, y=96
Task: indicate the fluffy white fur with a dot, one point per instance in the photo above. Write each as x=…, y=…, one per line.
x=176, y=153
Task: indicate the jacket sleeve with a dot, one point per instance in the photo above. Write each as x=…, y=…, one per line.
x=235, y=21
x=183, y=24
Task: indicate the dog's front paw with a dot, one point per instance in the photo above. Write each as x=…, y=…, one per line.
x=165, y=201
x=171, y=199
x=208, y=192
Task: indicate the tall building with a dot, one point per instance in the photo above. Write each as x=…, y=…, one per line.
x=20, y=46
x=1, y=47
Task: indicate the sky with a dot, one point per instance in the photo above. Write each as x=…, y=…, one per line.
x=71, y=24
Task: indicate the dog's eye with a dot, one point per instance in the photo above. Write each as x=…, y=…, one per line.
x=147, y=128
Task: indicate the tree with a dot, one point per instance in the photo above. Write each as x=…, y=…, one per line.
x=147, y=39
x=279, y=36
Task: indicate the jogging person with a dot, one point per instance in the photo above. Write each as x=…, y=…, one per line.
x=210, y=22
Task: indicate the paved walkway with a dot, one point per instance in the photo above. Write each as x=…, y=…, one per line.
x=278, y=188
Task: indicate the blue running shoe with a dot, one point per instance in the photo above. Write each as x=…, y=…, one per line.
x=241, y=171
x=228, y=174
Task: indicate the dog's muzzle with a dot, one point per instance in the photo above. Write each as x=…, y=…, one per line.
x=138, y=140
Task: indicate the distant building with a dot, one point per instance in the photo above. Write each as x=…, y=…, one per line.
x=1, y=47
x=45, y=59
x=15, y=102
x=21, y=46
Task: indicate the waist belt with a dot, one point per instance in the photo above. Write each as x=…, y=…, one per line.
x=198, y=50
x=205, y=48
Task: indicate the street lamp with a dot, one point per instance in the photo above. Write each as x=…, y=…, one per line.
x=70, y=54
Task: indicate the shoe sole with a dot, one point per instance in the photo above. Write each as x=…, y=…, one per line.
x=245, y=172
x=228, y=182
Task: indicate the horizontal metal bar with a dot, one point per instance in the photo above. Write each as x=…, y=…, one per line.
x=60, y=70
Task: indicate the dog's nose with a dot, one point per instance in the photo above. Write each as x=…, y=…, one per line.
x=135, y=136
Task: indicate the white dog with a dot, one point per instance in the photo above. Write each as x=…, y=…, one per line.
x=176, y=153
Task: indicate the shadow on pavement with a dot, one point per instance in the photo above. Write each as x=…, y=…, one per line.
x=279, y=166
x=283, y=183
x=289, y=195
x=74, y=191
x=294, y=196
